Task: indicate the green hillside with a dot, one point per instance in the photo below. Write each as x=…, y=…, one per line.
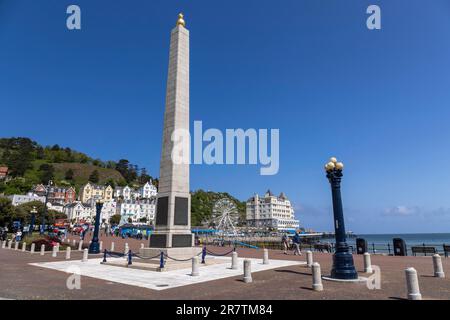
x=30, y=163
x=83, y=171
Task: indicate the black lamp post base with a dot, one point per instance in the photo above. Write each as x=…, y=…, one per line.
x=94, y=248
x=343, y=266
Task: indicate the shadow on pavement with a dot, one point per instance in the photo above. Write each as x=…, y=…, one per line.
x=296, y=272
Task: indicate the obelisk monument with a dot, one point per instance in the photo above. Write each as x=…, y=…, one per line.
x=172, y=232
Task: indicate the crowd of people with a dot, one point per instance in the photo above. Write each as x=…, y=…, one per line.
x=16, y=235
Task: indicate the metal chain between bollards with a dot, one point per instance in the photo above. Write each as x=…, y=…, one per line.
x=113, y=254
x=182, y=260
x=146, y=258
x=162, y=255
x=119, y=254
x=220, y=255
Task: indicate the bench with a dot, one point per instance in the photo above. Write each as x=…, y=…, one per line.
x=446, y=250
x=423, y=249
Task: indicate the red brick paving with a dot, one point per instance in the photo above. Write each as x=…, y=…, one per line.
x=18, y=280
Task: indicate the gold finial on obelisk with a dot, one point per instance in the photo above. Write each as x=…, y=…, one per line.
x=180, y=20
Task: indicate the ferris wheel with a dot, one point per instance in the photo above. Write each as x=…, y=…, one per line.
x=225, y=216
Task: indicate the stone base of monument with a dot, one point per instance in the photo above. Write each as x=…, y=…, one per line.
x=169, y=264
x=154, y=264
x=175, y=253
x=149, y=265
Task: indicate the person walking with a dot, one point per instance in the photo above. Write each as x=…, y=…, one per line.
x=285, y=243
x=296, y=241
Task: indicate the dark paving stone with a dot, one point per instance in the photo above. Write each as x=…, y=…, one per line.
x=19, y=280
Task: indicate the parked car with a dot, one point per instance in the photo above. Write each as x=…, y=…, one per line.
x=77, y=229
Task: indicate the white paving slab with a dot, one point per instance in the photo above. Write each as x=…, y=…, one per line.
x=161, y=280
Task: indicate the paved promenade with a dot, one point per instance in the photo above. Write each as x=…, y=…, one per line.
x=19, y=280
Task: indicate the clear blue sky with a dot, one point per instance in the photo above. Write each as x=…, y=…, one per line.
x=378, y=100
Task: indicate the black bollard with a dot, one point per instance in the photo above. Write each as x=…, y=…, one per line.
x=161, y=260
x=104, y=256
x=130, y=254
x=203, y=254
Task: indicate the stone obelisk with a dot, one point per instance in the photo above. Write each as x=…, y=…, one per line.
x=172, y=232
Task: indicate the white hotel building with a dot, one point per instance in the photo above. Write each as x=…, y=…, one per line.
x=271, y=212
x=137, y=210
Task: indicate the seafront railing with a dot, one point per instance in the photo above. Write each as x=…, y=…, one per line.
x=388, y=248
x=384, y=248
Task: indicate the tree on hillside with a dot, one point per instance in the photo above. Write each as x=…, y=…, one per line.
x=46, y=172
x=144, y=177
x=94, y=177
x=115, y=219
x=111, y=183
x=6, y=211
x=156, y=182
x=121, y=183
x=132, y=173
x=69, y=174
x=83, y=158
x=18, y=155
x=69, y=155
x=60, y=156
x=64, y=183
x=127, y=170
x=15, y=186
x=40, y=154
x=5, y=156
x=122, y=166
x=111, y=164
x=99, y=163
x=23, y=213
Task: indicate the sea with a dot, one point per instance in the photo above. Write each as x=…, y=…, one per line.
x=383, y=243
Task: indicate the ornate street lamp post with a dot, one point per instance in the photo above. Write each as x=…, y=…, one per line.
x=94, y=247
x=50, y=183
x=343, y=266
x=33, y=219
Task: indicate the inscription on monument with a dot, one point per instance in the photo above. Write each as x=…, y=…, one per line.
x=162, y=211
x=181, y=240
x=181, y=211
x=158, y=241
